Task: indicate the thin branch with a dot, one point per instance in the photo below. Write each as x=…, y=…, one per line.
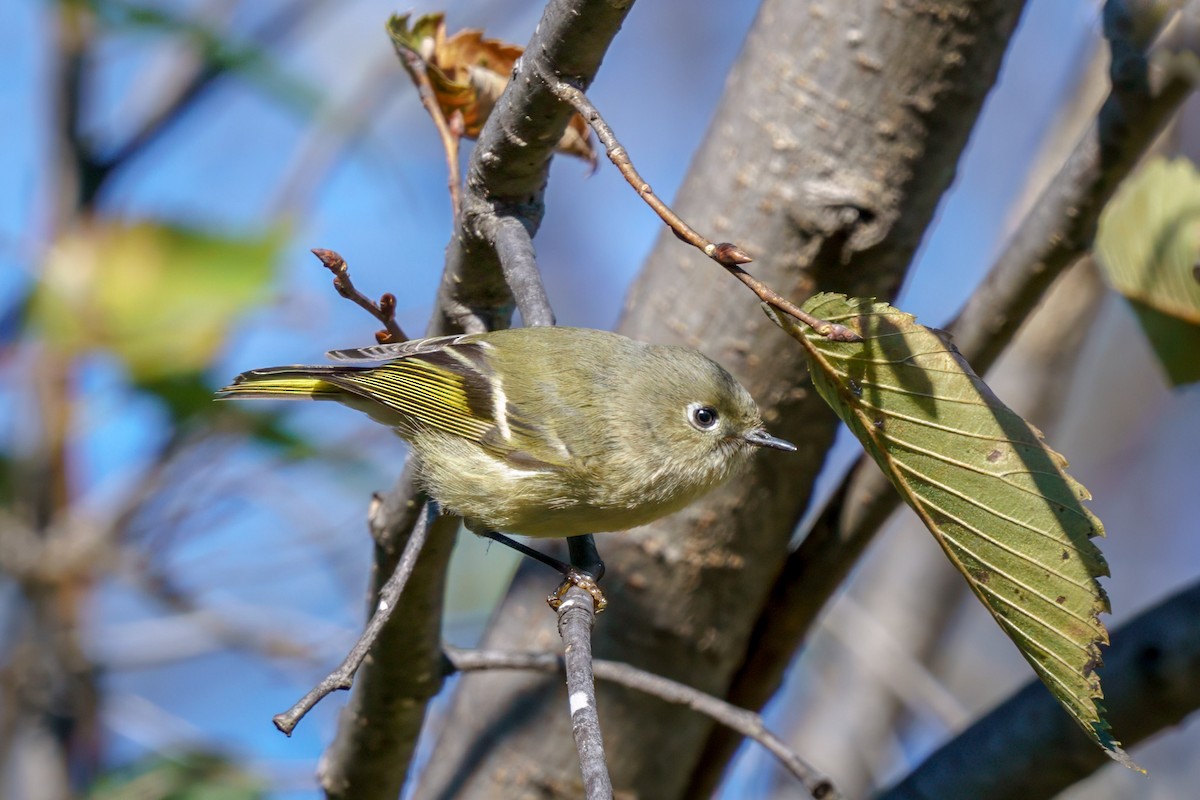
x=747, y=723
x=729, y=256
x=277, y=27
x=384, y=310
x=576, y=615
x=1026, y=747
x=417, y=69
x=514, y=247
x=378, y=728
x=343, y=676
x=1059, y=228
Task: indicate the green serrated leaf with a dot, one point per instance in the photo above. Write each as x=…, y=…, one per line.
x=1148, y=247
x=996, y=498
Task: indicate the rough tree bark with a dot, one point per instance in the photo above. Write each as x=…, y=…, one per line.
x=838, y=133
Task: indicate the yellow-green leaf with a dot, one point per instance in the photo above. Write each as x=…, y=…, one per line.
x=1148, y=246
x=996, y=498
x=160, y=298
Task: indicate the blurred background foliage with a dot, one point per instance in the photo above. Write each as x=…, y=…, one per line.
x=174, y=571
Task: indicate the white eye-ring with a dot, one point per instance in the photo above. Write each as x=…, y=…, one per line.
x=702, y=417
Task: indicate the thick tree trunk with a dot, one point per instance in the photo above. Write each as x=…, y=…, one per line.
x=838, y=133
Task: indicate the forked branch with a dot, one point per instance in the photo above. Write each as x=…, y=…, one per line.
x=747, y=723
x=384, y=310
x=343, y=676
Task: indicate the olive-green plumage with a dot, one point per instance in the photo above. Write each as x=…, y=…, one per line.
x=544, y=431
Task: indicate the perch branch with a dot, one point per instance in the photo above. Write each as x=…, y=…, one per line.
x=747, y=723
x=343, y=676
x=729, y=256
x=576, y=615
x=384, y=310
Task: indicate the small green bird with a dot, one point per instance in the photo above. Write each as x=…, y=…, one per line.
x=544, y=431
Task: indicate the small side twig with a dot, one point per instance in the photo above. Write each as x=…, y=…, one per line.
x=343, y=676
x=576, y=615
x=728, y=255
x=384, y=310
x=747, y=723
x=415, y=66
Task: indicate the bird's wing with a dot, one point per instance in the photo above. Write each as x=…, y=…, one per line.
x=448, y=385
x=386, y=352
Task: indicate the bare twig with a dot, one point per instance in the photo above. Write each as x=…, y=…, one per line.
x=343, y=676
x=747, y=723
x=729, y=256
x=576, y=615
x=279, y=25
x=384, y=310
x=415, y=66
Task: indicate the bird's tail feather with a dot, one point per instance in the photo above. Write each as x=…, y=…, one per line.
x=285, y=383
x=313, y=383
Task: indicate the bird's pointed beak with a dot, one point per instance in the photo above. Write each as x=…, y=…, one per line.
x=761, y=438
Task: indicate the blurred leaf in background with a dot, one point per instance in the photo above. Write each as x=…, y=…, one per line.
x=1148, y=245
x=186, y=776
x=159, y=297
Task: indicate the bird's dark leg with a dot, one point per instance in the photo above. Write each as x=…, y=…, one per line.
x=584, y=571
x=553, y=563
x=584, y=556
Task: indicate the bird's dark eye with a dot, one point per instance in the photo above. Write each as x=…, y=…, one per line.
x=703, y=417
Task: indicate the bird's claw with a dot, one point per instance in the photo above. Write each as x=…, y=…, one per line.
x=583, y=581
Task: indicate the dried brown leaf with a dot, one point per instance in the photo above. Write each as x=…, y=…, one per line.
x=469, y=72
